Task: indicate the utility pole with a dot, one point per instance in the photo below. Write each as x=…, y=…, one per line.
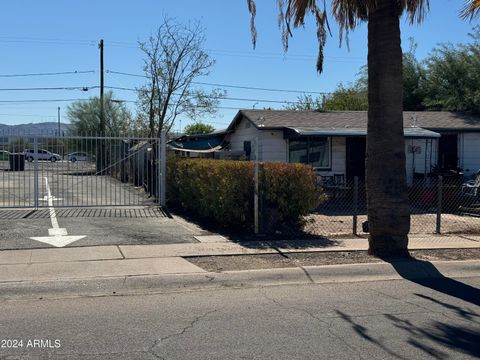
x=101, y=145
x=58, y=120
x=102, y=111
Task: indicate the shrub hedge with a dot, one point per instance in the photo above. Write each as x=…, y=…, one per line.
x=222, y=191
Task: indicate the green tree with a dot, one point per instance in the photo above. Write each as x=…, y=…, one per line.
x=306, y=102
x=198, y=128
x=386, y=184
x=413, y=76
x=344, y=98
x=85, y=116
x=453, y=77
x=355, y=97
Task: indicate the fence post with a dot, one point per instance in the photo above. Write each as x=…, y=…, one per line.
x=162, y=169
x=355, y=204
x=256, y=217
x=439, y=205
x=35, y=173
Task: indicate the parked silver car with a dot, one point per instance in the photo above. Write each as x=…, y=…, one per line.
x=78, y=156
x=41, y=155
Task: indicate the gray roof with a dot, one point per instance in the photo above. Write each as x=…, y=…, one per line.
x=432, y=120
x=411, y=132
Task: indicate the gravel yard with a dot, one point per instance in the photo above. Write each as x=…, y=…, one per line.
x=326, y=225
x=270, y=261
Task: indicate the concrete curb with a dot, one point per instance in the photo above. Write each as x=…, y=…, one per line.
x=151, y=284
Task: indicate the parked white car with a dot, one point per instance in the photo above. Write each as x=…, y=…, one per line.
x=41, y=155
x=78, y=156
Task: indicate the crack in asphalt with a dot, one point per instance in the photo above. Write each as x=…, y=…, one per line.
x=305, y=311
x=189, y=326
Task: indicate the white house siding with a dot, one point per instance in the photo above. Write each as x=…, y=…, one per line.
x=470, y=152
x=272, y=144
x=245, y=131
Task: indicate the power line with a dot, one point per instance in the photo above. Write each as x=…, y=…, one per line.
x=48, y=73
x=122, y=101
x=259, y=88
x=40, y=100
x=81, y=88
x=229, y=86
x=220, y=97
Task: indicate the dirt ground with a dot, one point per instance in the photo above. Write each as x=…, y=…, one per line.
x=325, y=225
x=270, y=261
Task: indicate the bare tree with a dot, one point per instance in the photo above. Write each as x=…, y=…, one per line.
x=174, y=58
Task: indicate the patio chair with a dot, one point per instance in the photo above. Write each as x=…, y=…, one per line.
x=472, y=187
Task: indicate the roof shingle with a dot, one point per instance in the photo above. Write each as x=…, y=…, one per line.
x=433, y=120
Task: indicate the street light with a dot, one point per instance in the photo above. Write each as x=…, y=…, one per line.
x=58, y=120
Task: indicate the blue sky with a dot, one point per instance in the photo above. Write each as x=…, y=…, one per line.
x=62, y=36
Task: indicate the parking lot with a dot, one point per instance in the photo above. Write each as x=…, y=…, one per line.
x=82, y=207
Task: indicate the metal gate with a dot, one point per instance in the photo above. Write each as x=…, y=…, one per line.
x=81, y=171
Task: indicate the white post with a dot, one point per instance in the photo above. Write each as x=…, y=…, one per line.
x=35, y=173
x=162, y=169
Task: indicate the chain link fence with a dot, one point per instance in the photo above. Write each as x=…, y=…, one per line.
x=438, y=205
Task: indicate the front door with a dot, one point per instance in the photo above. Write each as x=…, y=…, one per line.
x=448, y=152
x=356, y=148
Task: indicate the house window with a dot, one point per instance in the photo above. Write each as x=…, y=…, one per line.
x=314, y=151
x=298, y=152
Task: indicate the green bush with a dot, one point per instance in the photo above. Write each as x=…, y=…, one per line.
x=221, y=191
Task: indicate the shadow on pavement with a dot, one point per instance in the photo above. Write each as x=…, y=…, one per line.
x=451, y=336
x=362, y=331
x=426, y=274
x=464, y=313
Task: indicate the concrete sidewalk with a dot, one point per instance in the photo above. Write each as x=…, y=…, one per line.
x=168, y=259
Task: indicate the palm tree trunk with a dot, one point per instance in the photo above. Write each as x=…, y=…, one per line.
x=387, y=194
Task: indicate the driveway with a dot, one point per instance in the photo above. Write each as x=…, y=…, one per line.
x=79, y=208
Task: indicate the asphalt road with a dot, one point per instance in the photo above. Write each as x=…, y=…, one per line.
x=364, y=320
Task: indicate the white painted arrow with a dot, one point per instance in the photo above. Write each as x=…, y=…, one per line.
x=46, y=198
x=57, y=236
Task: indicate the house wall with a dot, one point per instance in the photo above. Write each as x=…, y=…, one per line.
x=469, y=153
x=273, y=146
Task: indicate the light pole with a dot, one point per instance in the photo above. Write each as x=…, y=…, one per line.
x=58, y=120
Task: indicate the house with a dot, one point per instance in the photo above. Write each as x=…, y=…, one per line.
x=334, y=142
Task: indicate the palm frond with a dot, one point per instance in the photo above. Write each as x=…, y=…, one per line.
x=470, y=9
x=348, y=13
x=252, y=9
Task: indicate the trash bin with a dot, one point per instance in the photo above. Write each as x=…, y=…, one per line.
x=17, y=162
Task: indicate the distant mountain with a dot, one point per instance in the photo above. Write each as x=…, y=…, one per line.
x=44, y=128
